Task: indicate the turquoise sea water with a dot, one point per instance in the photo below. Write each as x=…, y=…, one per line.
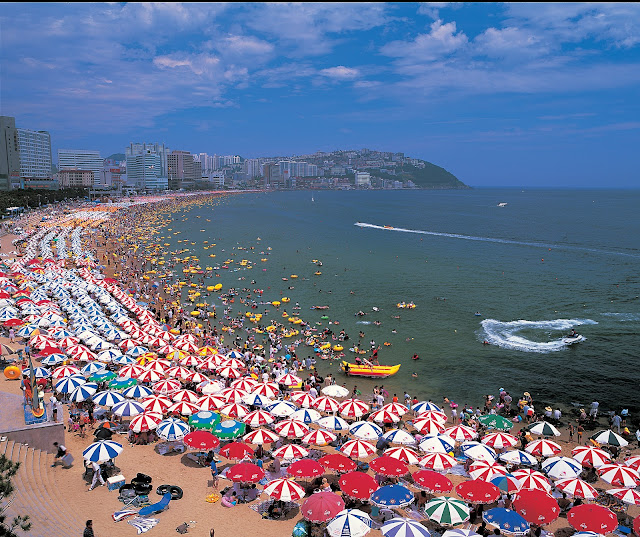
x=547, y=262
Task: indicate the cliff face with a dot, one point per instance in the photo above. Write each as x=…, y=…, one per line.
x=427, y=175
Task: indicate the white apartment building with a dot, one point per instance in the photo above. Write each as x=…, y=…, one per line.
x=82, y=159
x=363, y=179
x=35, y=153
x=145, y=172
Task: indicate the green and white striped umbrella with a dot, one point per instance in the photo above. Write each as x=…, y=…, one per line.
x=447, y=511
x=495, y=421
x=543, y=428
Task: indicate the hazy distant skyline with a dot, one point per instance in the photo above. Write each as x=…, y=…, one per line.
x=498, y=94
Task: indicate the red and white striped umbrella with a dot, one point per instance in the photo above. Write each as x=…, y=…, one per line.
x=619, y=474
x=353, y=408
x=460, y=433
x=210, y=363
x=64, y=371
x=291, y=428
x=82, y=353
x=260, y=436
x=185, y=395
x=145, y=422
x=289, y=380
x=633, y=462
x=319, y=437
x=184, y=408
x=186, y=346
x=302, y=399
x=156, y=404
x=428, y=425
x=576, y=487
x=211, y=402
x=165, y=386
x=434, y=415
x=384, y=416
x=543, y=448
x=268, y=389
x=396, y=408
x=157, y=367
x=233, y=395
x=68, y=341
x=178, y=371
x=233, y=362
x=196, y=377
x=290, y=452
x=499, y=440
x=257, y=418
x=486, y=470
x=244, y=383
x=285, y=490
x=234, y=410
x=127, y=344
x=437, y=461
x=358, y=449
x=189, y=361
x=149, y=376
x=403, y=454
x=131, y=371
x=590, y=456
x=628, y=496
x=229, y=372
x=532, y=479
x=326, y=404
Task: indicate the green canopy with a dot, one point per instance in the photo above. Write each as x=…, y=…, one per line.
x=494, y=421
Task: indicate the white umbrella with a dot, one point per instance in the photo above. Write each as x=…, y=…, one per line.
x=335, y=390
x=349, y=522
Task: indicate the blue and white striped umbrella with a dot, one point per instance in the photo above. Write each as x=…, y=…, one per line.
x=54, y=359
x=254, y=399
x=306, y=415
x=108, y=398
x=516, y=456
x=127, y=408
x=281, y=409
x=561, y=467
x=399, y=436
x=68, y=384
x=235, y=354
x=92, y=367
x=137, y=392
x=124, y=360
x=459, y=532
x=424, y=406
x=478, y=451
x=438, y=443
x=365, y=430
x=404, y=527
x=349, y=523
x=333, y=423
x=25, y=331
x=83, y=392
x=39, y=372
x=137, y=351
x=172, y=429
x=62, y=333
x=102, y=451
x=108, y=355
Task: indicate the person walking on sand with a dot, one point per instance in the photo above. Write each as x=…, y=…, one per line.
x=97, y=475
x=88, y=530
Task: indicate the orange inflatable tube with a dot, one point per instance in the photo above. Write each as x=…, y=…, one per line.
x=12, y=372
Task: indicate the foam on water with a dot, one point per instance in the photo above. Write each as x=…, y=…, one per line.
x=623, y=317
x=507, y=334
x=363, y=322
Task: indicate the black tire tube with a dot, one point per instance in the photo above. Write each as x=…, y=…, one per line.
x=143, y=490
x=162, y=490
x=176, y=492
x=143, y=478
x=128, y=486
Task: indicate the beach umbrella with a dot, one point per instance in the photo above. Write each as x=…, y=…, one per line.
x=319, y=437
x=281, y=409
x=245, y=472
x=495, y=421
x=438, y=461
x=326, y=404
x=590, y=456
x=234, y=410
x=145, y=422
x=130, y=371
x=459, y=532
x=631, y=462
x=365, y=430
x=447, y=511
x=333, y=423
x=156, y=403
x=404, y=527
x=396, y=408
x=210, y=402
x=290, y=452
x=127, y=408
x=321, y=507
x=195, y=377
x=267, y=389
x=619, y=474
x=406, y=455
x=120, y=383
x=543, y=448
x=577, y=488
x=53, y=359
x=137, y=392
x=102, y=376
x=164, y=387
x=350, y=522
x=431, y=481
x=478, y=451
x=102, y=451
x=152, y=376
x=229, y=429
x=289, y=380
x=399, y=436
x=201, y=440
x=38, y=372
x=107, y=398
x=388, y=466
x=306, y=415
x=536, y=506
x=561, y=467
x=232, y=355
x=353, y=408
x=392, y=496
x=518, y=457
x=610, y=438
x=358, y=485
x=486, y=470
x=183, y=408
x=499, y=440
x=532, y=479
x=260, y=436
x=335, y=390
x=477, y=491
x=286, y=490
x=438, y=443
x=628, y=496
x=428, y=425
x=253, y=399
x=507, y=483
x=592, y=517
x=124, y=360
x=358, y=449
x=337, y=462
x=233, y=395
x=65, y=371
x=543, y=428
x=302, y=398
x=291, y=429
x=306, y=468
x=384, y=416
x=506, y=520
x=178, y=371
x=460, y=433
x=91, y=368
x=229, y=372
x=204, y=419
x=172, y=429
x=257, y=418
x=83, y=392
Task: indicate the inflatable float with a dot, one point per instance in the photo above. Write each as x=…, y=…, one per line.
x=373, y=371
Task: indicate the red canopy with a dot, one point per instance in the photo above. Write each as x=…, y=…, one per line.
x=13, y=322
x=592, y=517
x=236, y=450
x=358, y=485
x=201, y=440
x=338, y=462
x=321, y=507
x=636, y=525
x=305, y=468
x=433, y=482
x=477, y=491
x=245, y=472
x=388, y=466
x=536, y=506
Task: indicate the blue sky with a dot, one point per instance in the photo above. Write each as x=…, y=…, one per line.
x=499, y=94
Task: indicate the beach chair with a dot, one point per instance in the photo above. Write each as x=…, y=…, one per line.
x=156, y=507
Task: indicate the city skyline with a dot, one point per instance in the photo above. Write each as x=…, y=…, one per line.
x=498, y=94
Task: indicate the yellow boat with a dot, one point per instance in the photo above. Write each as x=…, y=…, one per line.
x=373, y=371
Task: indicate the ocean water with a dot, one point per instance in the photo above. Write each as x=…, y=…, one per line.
x=519, y=277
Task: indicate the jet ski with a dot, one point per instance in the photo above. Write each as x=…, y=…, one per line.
x=571, y=339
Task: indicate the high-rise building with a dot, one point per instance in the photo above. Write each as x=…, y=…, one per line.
x=74, y=178
x=252, y=168
x=182, y=170
x=363, y=179
x=35, y=153
x=145, y=171
x=157, y=148
x=9, y=154
x=82, y=159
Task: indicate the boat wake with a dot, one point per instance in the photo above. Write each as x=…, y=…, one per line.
x=516, y=335
x=496, y=240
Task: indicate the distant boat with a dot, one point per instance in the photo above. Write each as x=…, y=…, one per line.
x=312, y=198
x=502, y=204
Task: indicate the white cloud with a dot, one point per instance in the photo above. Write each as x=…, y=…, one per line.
x=340, y=72
x=510, y=41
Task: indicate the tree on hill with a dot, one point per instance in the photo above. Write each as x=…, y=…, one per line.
x=8, y=470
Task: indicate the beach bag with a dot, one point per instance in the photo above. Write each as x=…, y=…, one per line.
x=183, y=528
